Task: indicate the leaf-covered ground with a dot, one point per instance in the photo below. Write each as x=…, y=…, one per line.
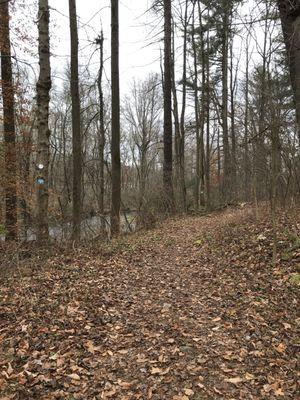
x=191, y=310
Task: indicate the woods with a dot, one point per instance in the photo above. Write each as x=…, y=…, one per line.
x=149, y=199
x=227, y=85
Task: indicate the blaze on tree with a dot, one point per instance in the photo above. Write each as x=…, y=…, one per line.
x=9, y=125
x=43, y=88
x=290, y=21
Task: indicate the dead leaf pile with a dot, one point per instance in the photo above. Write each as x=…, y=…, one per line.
x=162, y=318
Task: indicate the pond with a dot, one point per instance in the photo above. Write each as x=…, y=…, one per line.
x=90, y=227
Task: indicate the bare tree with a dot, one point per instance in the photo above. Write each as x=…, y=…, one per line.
x=9, y=125
x=43, y=98
x=142, y=110
x=167, y=84
x=115, y=121
x=100, y=41
x=76, y=124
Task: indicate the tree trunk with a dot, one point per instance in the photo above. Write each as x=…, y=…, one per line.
x=247, y=167
x=232, y=127
x=260, y=158
x=43, y=98
x=204, y=98
x=115, y=121
x=197, y=122
x=175, y=115
x=9, y=126
x=182, y=117
x=226, y=149
x=76, y=124
x=168, y=150
x=290, y=21
x=102, y=132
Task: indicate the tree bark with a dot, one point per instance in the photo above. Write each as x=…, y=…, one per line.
x=232, y=127
x=226, y=149
x=290, y=21
x=9, y=125
x=247, y=165
x=198, y=185
x=168, y=139
x=102, y=131
x=43, y=98
x=182, y=116
x=76, y=124
x=115, y=121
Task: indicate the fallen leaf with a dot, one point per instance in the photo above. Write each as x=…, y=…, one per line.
x=75, y=377
x=280, y=348
x=159, y=371
x=189, y=392
x=235, y=380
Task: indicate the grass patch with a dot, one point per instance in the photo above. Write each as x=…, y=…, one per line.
x=295, y=279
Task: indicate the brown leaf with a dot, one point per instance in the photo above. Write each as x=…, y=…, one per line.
x=280, y=348
x=124, y=385
x=75, y=377
x=159, y=371
x=189, y=392
x=235, y=380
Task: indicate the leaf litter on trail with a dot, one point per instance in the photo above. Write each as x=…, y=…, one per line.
x=160, y=318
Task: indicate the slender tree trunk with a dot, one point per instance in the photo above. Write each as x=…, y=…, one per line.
x=102, y=131
x=115, y=121
x=182, y=117
x=226, y=149
x=175, y=115
x=247, y=168
x=197, y=122
x=207, y=157
x=9, y=125
x=43, y=98
x=232, y=127
x=76, y=124
x=168, y=139
x=260, y=165
x=207, y=113
x=290, y=21
x=204, y=74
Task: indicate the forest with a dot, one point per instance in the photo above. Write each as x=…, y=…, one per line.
x=149, y=199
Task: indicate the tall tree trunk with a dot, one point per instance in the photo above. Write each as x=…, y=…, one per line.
x=260, y=164
x=233, y=78
x=247, y=167
x=226, y=149
x=290, y=21
x=175, y=114
x=76, y=124
x=204, y=98
x=9, y=125
x=197, y=122
x=102, y=130
x=115, y=121
x=168, y=150
x=43, y=98
x=182, y=117
x=206, y=104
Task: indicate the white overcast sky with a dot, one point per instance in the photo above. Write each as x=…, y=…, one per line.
x=140, y=32
x=137, y=57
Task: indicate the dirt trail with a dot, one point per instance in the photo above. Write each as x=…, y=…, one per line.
x=191, y=310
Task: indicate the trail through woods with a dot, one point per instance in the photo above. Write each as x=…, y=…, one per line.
x=190, y=310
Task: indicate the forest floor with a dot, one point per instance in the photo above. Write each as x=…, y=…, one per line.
x=190, y=310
